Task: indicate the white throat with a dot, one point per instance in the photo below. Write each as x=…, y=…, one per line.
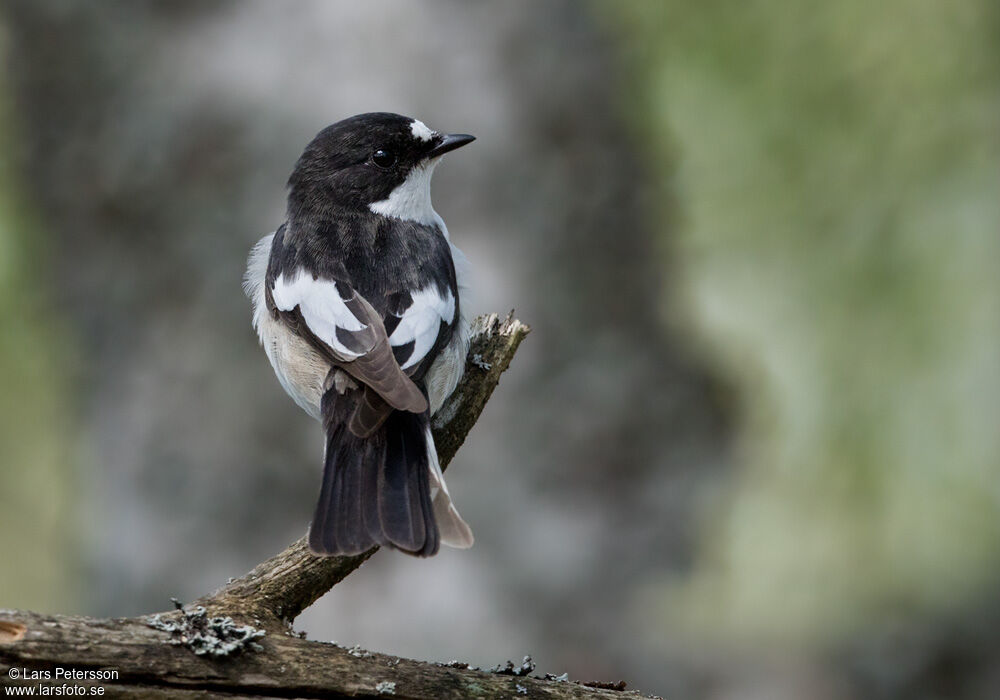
x=411, y=201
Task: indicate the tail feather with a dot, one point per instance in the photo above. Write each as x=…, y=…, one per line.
x=339, y=507
x=432, y=541
x=400, y=506
x=369, y=492
x=321, y=534
x=384, y=489
x=452, y=529
x=350, y=533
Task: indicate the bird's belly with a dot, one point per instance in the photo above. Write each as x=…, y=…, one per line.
x=300, y=369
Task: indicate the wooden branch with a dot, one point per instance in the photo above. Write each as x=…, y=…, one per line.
x=147, y=666
x=286, y=584
x=237, y=642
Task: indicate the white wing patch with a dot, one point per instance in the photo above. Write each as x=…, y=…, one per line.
x=321, y=306
x=421, y=322
x=421, y=130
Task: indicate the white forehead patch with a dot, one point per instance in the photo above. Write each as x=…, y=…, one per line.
x=421, y=130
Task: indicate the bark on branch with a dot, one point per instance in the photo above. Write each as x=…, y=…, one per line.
x=238, y=642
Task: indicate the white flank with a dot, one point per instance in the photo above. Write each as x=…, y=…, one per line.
x=300, y=369
x=253, y=280
x=322, y=308
x=448, y=367
x=421, y=130
x=411, y=201
x=422, y=321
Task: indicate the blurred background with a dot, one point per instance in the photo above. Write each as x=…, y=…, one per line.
x=752, y=446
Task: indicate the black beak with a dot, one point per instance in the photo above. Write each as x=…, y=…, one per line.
x=449, y=142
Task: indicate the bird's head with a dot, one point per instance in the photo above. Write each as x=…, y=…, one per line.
x=376, y=162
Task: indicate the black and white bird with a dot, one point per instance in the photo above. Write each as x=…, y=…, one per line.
x=357, y=299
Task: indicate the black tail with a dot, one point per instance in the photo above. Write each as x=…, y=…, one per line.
x=376, y=489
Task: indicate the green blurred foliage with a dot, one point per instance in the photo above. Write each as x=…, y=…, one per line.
x=36, y=480
x=831, y=190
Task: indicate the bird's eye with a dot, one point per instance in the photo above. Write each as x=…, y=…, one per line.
x=383, y=158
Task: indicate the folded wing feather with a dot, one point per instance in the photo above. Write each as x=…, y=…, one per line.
x=342, y=325
x=420, y=323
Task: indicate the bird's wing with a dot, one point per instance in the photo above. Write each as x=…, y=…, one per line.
x=415, y=320
x=344, y=327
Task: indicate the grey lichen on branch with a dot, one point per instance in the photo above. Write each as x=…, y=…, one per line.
x=208, y=636
x=277, y=590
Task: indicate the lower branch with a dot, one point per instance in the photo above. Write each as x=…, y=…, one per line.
x=142, y=663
